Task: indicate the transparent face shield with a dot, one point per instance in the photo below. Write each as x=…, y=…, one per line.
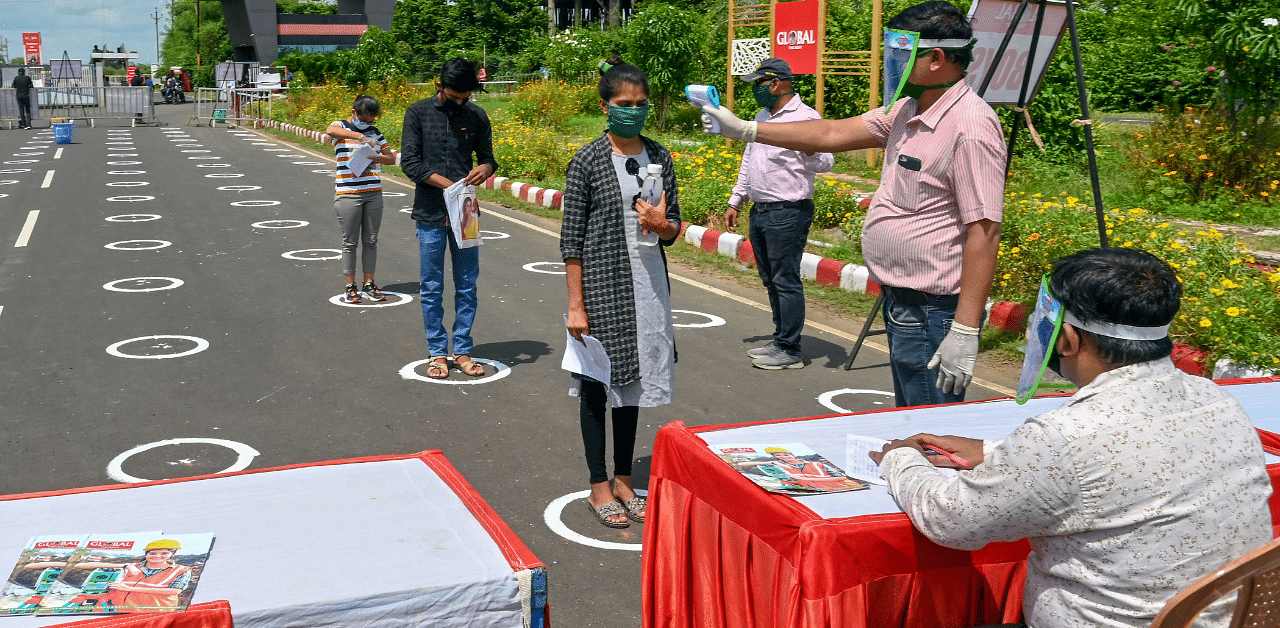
x=901, y=49
x=899, y=59
x=1042, y=337
x=1042, y=334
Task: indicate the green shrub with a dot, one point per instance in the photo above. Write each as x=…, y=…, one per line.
x=546, y=103
x=1191, y=163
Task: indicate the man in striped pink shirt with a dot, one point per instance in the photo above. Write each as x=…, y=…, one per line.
x=933, y=229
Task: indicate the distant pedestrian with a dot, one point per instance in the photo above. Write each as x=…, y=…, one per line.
x=779, y=182
x=619, y=292
x=22, y=83
x=137, y=80
x=357, y=196
x=443, y=136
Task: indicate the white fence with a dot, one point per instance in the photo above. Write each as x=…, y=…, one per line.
x=241, y=105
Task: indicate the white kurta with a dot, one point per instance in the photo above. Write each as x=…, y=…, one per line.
x=1144, y=481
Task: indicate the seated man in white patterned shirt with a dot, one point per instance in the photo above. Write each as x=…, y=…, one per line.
x=1144, y=481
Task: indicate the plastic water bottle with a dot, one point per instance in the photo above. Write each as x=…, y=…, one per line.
x=651, y=192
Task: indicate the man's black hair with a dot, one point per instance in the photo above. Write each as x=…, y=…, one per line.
x=366, y=105
x=459, y=75
x=1121, y=286
x=22, y=70
x=620, y=72
x=937, y=20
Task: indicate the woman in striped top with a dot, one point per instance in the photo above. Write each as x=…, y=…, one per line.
x=357, y=197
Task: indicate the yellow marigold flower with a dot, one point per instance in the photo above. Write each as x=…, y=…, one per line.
x=1233, y=311
x=1204, y=322
x=1203, y=157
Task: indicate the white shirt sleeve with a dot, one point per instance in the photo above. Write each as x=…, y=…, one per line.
x=1026, y=486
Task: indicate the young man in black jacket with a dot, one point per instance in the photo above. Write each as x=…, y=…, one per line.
x=23, y=84
x=447, y=138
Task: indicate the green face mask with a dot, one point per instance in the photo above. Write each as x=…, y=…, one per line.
x=764, y=97
x=627, y=121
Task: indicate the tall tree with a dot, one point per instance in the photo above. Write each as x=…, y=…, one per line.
x=182, y=41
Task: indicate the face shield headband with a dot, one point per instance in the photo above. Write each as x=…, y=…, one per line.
x=1043, y=328
x=901, y=48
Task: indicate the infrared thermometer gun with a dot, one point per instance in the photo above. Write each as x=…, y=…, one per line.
x=701, y=95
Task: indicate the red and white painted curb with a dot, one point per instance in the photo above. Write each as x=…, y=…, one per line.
x=1004, y=315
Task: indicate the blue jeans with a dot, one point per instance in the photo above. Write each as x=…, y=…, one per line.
x=915, y=332
x=432, y=242
x=778, y=238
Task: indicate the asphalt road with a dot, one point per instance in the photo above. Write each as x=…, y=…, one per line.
x=180, y=282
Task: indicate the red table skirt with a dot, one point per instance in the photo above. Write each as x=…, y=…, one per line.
x=206, y=615
x=720, y=552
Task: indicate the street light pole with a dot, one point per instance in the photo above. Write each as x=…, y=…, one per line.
x=156, y=17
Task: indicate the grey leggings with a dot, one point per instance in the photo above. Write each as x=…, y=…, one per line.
x=359, y=215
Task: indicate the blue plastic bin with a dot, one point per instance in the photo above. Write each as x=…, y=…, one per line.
x=62, y=132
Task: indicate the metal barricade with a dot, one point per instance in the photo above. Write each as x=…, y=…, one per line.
x=9, y=105
x=243, y=105
x=91, y=103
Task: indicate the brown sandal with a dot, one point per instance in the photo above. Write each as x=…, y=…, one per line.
x=438, y=368
x=468, y=366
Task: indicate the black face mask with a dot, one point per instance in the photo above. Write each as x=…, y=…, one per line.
x=1055, y=362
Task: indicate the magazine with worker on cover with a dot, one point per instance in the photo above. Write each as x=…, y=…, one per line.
x=36, y=572
x=790, y=468
x=146, y=572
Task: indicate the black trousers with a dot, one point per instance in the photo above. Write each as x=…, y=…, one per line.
x=592, y=400
x=24, y=111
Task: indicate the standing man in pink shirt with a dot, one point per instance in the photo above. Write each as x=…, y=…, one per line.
x=780, y=184
x=933, y=229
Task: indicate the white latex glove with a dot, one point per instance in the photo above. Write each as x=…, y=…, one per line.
x=956, y=357
x=731, y=127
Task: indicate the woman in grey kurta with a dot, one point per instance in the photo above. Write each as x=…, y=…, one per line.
x=618, y=288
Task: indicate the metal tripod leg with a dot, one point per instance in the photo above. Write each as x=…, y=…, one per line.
x=866, y=330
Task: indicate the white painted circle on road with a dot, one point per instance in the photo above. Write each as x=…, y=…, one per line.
x=325, y=171
x=119, y=246
x=393, y=194
x=8, y=181
x=123, y=155
x=27, y=154
x=536, y=267
x=401, y=299
x=189, y=145
x=127, y=184
x=133, y=218
x=552, y=516
x=280, y=224
x=204, y=157
x=298, y=255
x=201, y=345
x=198, y=150
x=223, y=175
x=240, y=188
x=110, y=143
x=244, y=456
x=213, y=165
x=129, y=199
x=123, y=163
x=112, y=285
x=264, y=144
x=291, y=156
x=119, y=172
x=712, y=319
x=493, y=235
x=409, y=371
x=308, y=163
x=254, y=203
x=826, y=398
x=21, y=161
x=277, y=150
x=14, y=170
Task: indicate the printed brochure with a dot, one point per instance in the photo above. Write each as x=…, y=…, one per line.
x=790, y=468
